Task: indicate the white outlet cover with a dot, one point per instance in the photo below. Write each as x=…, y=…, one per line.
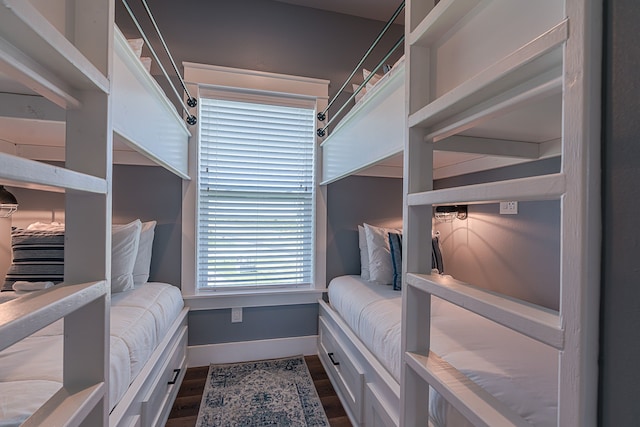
x=508, y=208
x=236, y=314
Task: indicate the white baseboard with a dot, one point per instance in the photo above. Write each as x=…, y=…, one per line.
x=204, y=355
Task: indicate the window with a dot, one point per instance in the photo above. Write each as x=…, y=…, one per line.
x=255, y=222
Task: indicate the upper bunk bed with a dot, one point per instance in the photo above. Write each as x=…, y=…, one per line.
x=523, y=88
x=36, y=87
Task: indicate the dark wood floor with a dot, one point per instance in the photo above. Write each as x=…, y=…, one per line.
x=185, y=409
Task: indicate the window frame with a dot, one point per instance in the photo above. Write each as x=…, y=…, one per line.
x=203, y=80
x=299, y=103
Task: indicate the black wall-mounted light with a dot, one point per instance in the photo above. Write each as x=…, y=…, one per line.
x=451, y=212
x=8, y=203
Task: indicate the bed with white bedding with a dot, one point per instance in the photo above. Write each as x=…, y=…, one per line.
x=75, y=93
x=141, y=319
x=518, y=371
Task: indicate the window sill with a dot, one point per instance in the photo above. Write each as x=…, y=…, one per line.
x=211, y=300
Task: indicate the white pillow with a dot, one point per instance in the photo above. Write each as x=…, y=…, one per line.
x=371, y=83
x=45, y=226
x=143, y=259
x=364, y=254
x=125, y=240
x=380, y=263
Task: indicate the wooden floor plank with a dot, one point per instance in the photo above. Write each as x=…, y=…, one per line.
x=184, y=412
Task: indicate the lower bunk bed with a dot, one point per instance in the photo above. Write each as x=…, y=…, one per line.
x=148, y=341
x=360, y=348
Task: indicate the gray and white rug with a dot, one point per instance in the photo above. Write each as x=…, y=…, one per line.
x=277, y=392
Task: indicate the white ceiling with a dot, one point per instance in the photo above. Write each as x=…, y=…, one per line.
x=380, y=10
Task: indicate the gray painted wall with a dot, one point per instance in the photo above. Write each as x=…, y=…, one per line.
x=620, y=296
x=152, y=193
x=352, y=201
x=517, y=255
x=258, y=323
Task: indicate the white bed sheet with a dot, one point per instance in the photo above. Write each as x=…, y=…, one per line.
x=31, y=370
x=518, y=371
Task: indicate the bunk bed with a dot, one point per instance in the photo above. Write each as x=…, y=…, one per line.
x=369, y=139
x=74, y=92
x=487, y=83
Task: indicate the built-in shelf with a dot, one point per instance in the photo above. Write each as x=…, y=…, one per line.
x=36, y=54
x=543, y=187
x=543, y=86
x=41, y=176
x=531, y=320
x=476, y=404
x=528, y=62
x=23, y=316
x=440, y=20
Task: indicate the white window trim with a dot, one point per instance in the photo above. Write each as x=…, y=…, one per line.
x=199, y=79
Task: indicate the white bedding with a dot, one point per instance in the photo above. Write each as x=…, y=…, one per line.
x=371, y=88
x=31, y=370
x=518, y=371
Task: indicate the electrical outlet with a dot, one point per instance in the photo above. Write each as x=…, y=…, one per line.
x=236, y=314
x=508, y=208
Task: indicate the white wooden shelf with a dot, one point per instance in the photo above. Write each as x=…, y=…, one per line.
x=526, y=63
x=67, y=408
x=539, y=88
x=440, y=20
x=35, y=53
x=22, y=317
x=531, y=320
x=543, y=187
x=476, y=404
x=41, y=176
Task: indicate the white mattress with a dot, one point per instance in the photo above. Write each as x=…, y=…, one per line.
x=31, y=370
x=518, y=371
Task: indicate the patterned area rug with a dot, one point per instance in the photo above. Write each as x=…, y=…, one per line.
x=278, y=392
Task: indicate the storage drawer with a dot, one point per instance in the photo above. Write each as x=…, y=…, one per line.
x=157, y=401
x=342, y=368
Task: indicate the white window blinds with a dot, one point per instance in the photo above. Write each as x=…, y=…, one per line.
x=256, y=194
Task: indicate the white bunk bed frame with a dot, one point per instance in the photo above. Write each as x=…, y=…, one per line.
x=572, y=47
x=65, y=53
x=558, y=63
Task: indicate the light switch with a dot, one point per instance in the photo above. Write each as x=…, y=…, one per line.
x=236, y=314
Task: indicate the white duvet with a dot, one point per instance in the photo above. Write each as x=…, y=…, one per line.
x=31, y=370
x=518, y=371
